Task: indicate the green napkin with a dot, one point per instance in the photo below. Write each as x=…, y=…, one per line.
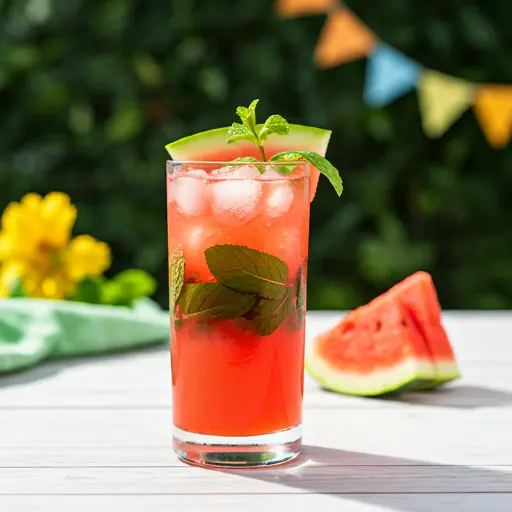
x=32, y=330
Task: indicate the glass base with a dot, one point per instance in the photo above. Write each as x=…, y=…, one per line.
x=238, y=452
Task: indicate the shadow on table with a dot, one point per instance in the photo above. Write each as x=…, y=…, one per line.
x=52, y=367
x=457, y=397
x=396, y=483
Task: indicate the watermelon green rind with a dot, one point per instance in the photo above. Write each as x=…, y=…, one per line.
x=406, y=375
x=446, y=371
x=213, y=141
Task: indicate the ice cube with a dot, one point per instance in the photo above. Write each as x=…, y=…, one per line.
x=235, y=200
x=279, y=199
x=189, y=192
x=271, y=174
x=197, y=237
x=237, y=171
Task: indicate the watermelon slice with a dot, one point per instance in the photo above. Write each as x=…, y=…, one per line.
x=211, y=146
x=394, y=343
x=419, y=294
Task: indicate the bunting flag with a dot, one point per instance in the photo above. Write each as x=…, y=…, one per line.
x=390, y=74
x=344, y=38
x=493, y=108
x=442, y=99
x=297, y=8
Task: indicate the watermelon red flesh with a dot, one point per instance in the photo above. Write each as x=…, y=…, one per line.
x=211, y=146
x=419, y=295
x=375, y=349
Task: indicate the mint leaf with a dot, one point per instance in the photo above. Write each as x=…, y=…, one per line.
x=242, y=160
x=301, y=289
x=238, y=131
x=244, y=114
x=323, y=165
x=247, y=160
x=284, y=169
x=251, y=119
x=248, y=270
x=214, y=300
x=268, y=315
x=248, y=115
x=176, y=276
x=274, y=124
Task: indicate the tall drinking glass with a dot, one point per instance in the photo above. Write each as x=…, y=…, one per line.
x=238, y=248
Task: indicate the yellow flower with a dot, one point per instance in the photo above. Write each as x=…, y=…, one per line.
x=35, y=246
x=87, y=257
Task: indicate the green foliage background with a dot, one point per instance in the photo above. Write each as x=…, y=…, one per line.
x=91, y=91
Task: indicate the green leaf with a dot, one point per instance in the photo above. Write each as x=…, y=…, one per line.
x=126, y=123
x=248, y=115
x=214, y=300
x=248, y=270
x=323, y=165
x=126, y=287
x=238, y=131
x=89, y=290
x=268, y=315
x=242, y=113
x=301, y=289
x=248, y=159
x=274, y=124
x=176, y=276
x=16, y=289
x=135, y=283
x=244, y=159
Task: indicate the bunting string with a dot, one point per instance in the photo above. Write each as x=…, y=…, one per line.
x=442, y=99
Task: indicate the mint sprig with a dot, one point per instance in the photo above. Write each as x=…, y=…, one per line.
x=248, y=130
x=277, y=124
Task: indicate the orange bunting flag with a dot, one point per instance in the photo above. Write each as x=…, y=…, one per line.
x=344, y=38
x=296, y=8
x=493, y=108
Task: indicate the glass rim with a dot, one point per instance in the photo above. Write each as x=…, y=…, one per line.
x=221, y=162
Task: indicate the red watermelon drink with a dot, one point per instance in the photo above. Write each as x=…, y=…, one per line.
x=238, y=225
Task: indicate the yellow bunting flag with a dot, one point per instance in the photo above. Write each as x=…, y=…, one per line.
x=344, y=38
x=493, y=108
x=296, y=8
x=442, y=99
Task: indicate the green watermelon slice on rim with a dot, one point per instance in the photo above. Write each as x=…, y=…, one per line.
x=211, y=146
x=395, y=343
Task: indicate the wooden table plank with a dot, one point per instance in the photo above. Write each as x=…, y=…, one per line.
x=292, y=480
x=143, y=437
x=263, y=503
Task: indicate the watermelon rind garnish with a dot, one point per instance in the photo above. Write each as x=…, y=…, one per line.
x=212, y=142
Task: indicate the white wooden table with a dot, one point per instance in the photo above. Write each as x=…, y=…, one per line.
x=95, y=435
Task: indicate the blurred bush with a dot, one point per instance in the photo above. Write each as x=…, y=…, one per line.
x=92, y=90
